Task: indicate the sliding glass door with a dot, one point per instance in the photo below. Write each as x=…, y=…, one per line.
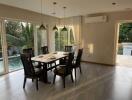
x=14, y=37
x=19, y=36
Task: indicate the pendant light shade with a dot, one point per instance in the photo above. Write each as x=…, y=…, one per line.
x=55, y=27
x=42, y=27
x=64, y=28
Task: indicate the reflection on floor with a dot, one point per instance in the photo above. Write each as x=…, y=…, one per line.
x=124, y=60
x=98, y=82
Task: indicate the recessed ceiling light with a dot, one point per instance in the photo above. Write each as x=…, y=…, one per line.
x=128, y=8
x=113, y=3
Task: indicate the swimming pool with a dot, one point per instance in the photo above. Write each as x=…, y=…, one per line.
x=14, y=63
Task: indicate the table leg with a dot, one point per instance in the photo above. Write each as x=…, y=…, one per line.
x=44, y=76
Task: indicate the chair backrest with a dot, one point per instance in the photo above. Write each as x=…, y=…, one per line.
x=27, y=64
x=68, y=48
x=79, y=56
x=69, y=63
x=29, y=50
x=45, y=49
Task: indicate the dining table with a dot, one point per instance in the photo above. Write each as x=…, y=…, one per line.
x=46, y=60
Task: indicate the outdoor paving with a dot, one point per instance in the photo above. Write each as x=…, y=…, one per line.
x=124, y=60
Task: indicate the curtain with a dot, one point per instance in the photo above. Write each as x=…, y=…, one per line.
x=76, y=23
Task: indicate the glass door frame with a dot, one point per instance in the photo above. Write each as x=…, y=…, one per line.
x=4, y=47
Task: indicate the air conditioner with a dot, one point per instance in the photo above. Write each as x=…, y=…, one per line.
x=95, y=19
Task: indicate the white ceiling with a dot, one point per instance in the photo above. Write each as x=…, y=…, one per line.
x=74, y=7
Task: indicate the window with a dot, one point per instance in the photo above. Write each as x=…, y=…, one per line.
x=41, y=39
x=63, y=38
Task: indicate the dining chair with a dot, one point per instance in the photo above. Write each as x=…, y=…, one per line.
x=29, y=50
x=68, y=48
x=45, y=50
x=29, y=70
x=64, y=70
x=77, y=63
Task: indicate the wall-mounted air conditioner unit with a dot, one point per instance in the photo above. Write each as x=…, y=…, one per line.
x=95, y=19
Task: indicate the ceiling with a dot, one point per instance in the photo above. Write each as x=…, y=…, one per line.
x=74, y=7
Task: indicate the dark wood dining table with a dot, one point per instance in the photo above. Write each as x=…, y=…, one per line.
x=46, y=59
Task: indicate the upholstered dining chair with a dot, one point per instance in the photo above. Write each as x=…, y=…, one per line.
x=68, y=48
x=29, y=50
x=29, y=70
x=65, y=70
x=45, y=50
x=77, y=63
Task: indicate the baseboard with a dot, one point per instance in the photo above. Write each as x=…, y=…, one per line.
x=98, y=63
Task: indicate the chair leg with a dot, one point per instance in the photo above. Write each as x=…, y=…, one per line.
x=54, y=78
x=75, y=73
x=80, y=69
x=37, y=83
x=72, y=77
x=24, y=83
x=32, y=80
x=63, y=81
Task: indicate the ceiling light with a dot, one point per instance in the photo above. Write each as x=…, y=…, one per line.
x=113, y=3
x=55, y=27
x=42, y=27
x=64, y=28
x=129, y=9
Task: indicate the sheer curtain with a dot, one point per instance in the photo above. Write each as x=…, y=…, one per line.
x=76, y=22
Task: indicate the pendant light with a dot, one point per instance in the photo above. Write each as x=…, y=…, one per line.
x=55, y=27
x=42, y=27
x=64, y=28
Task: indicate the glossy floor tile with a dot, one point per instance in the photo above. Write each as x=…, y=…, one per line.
x=98, y=82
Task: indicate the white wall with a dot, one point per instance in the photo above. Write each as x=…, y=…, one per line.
x=99, y=39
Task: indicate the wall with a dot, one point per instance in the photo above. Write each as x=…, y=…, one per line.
x=99, y=39
x=8, y=12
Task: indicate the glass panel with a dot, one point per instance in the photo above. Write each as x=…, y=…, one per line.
x=57, y=41
x=19, y=36
x=63, y=38
x=42, y=39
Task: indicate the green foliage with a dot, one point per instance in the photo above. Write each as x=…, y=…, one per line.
x=57, y=41
x=63, y=39
x=27, y=35
x=13, y=28
x=125, y=33
x=19, y=35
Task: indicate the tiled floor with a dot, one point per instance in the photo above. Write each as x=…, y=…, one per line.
x=97, y=82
